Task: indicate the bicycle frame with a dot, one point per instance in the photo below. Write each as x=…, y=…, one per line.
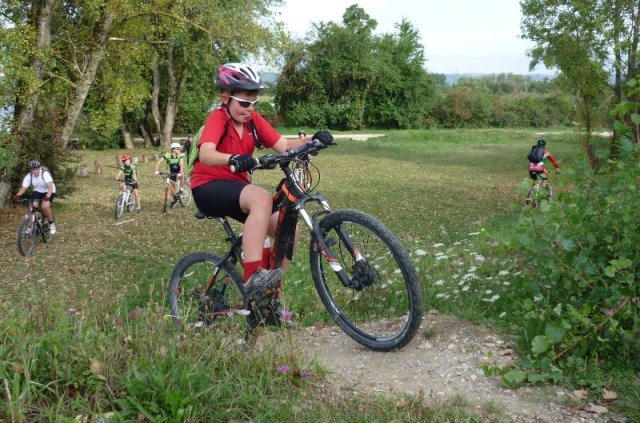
x=290, y=200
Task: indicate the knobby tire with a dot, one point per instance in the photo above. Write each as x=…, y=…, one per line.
x=386, y=312
x=119, y=206
x=26, y=243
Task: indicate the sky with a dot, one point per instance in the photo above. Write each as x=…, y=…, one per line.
x=459, y=36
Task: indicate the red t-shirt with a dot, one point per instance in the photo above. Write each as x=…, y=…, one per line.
x=214, y=127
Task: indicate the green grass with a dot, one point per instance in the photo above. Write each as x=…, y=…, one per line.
x=444, y=193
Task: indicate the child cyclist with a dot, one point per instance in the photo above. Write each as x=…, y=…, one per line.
x=175, y=161
x=130, y=178
x=228, y=140
x=536, y=166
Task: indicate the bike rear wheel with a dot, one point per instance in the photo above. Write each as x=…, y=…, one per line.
x=204, y=294
x=129, y=202
x=26, y=238
x=47, y=236
x=119, y=205
x=385, y=311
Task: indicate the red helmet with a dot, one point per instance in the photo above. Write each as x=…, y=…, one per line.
x=125, y=157
x=238, y=77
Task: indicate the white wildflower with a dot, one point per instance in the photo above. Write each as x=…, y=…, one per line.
x=421, y=252
x=442, y=257
x=492, y=299
x=439, y=282
x=465, y=288
x=438, y=245
x=537, y=298
x=440, y=295
x=473, y=268
x=504, y=313
x=506, y=283
x=474, y=234
x=503, y=273
x=488, y=291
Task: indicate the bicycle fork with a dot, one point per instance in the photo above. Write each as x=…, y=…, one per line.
x=361, y=276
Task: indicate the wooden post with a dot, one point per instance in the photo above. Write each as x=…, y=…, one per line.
x=97, y=167
x=145, y=159
x=84, y=171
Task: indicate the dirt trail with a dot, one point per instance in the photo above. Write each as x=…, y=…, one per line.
x=441, y=362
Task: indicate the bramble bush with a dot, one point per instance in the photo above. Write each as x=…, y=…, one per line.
x=580, y=285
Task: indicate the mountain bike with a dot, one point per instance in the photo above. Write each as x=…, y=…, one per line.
x=33, y=225
x=174, y=193
x=125, y=199
x=360, y=270
x=538, y=193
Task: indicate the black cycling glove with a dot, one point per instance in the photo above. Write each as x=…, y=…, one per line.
x=324, y=137
x=242, y=162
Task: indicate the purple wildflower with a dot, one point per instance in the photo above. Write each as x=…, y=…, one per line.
x=283, y=369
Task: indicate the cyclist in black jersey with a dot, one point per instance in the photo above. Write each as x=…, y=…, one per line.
x=130, y=178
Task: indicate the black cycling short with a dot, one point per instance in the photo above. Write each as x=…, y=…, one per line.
x=134, y=184
x=220, y=198
x=533, y=174
x=37, y=196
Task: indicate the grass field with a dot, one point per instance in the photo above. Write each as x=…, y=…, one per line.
x=430, y=187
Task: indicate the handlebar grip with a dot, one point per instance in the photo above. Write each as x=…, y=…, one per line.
x=232, y=168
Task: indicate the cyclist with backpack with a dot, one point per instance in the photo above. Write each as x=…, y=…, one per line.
x=175, y=163
x=130, y=178
x=228, y=139
x=536, y=158
x=44, y=191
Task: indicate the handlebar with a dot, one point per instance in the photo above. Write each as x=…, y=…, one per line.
x=168, y=174
x=270, y=161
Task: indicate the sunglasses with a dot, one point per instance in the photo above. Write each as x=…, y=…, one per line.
x=245, y=103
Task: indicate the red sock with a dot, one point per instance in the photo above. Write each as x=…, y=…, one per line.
x=250, y=267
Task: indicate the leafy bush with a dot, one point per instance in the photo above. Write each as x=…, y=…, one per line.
x=581, y=279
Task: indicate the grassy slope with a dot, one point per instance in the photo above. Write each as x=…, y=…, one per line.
x=428, y=186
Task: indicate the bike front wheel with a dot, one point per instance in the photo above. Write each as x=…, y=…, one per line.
x=185, y=196
x=206, y=293
x=119, y=206
x=168, y=195
x=381, y=305
x=26, y=238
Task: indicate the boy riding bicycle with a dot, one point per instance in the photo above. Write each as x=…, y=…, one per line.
x=228, y=140
x=130, y=178
x=44, y=191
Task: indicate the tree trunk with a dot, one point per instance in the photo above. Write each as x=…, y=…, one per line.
x=171, y=104
x=155, y=95
x=585, y=140
x=148, y=141
x=41, y=12
x=88, y=76
x=128, y=140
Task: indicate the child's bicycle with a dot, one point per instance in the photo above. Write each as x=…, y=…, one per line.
x=174, y=193
x=539, y=193
x=125, y=199
x=362, y=273
x=33, y=225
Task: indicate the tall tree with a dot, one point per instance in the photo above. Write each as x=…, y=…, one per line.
x=65, y=44
x=589, y=42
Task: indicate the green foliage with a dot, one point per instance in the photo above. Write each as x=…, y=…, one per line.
x=41, y=143
x=347, y=78
x=581, y=266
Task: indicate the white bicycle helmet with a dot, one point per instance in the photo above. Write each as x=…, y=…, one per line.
x=239, y=77
x=174, y=145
